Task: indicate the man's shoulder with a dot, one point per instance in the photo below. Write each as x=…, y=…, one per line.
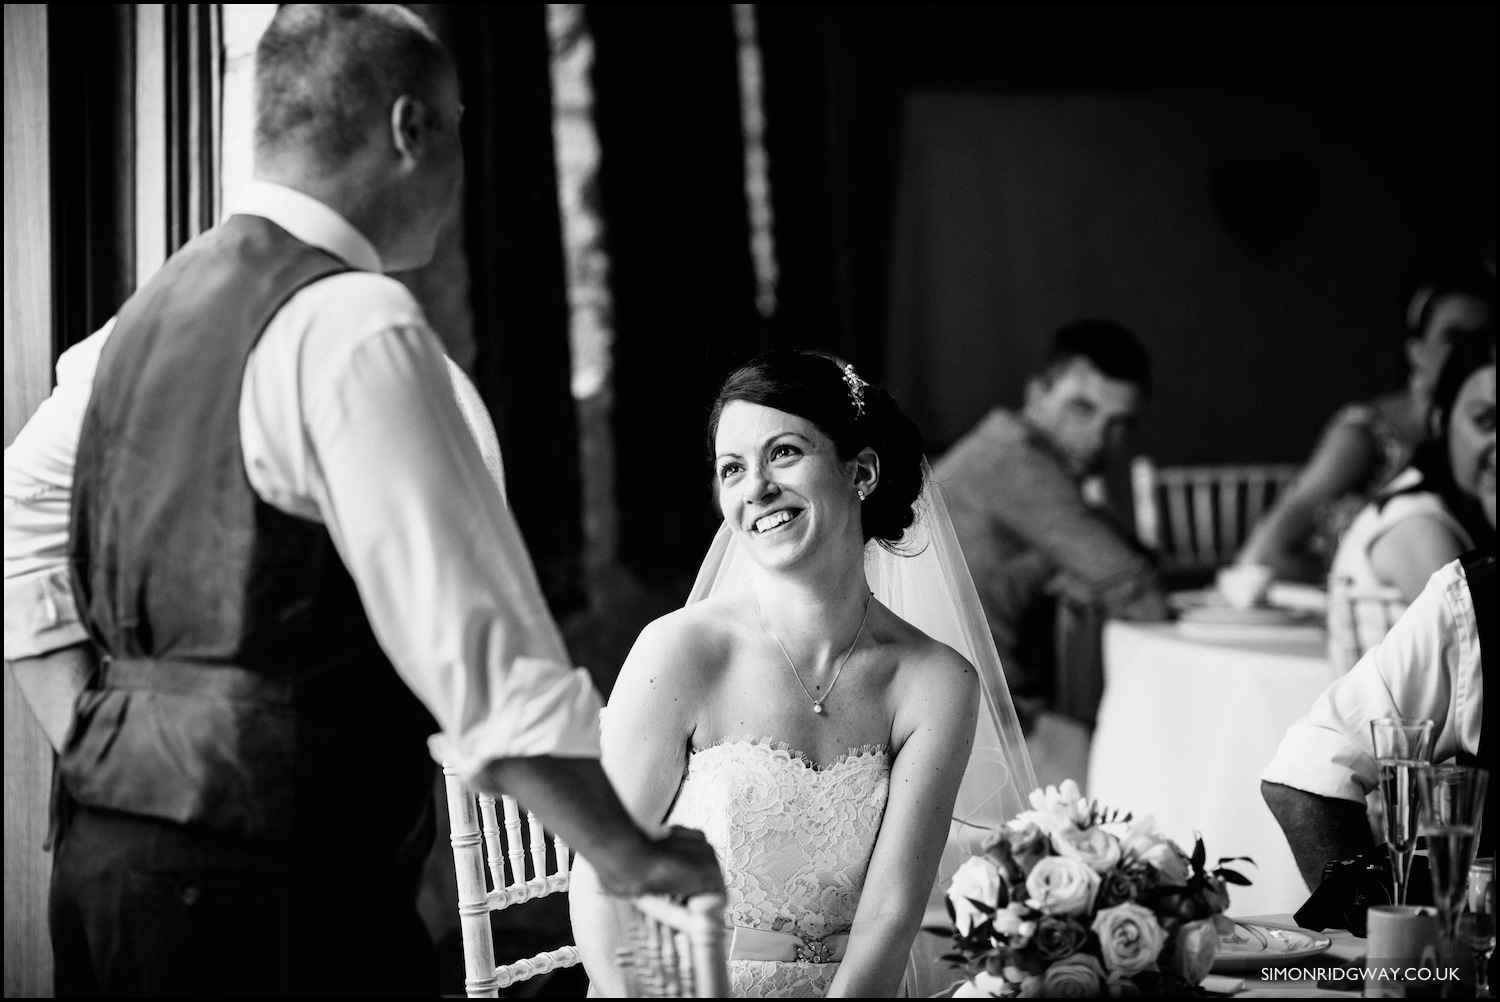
x=368, y=291
x=351, y=306
x=995, y=435
x=1001, y=450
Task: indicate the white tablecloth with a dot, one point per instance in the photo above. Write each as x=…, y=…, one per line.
x=1184, y=728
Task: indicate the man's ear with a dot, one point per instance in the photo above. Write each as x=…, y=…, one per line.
x=408, y=127
x=867, y=471
x=1036, y=389
x=1414, y=346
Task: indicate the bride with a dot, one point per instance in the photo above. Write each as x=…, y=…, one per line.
x=827, y=708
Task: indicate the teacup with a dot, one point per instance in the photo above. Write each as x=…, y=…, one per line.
x=1245, y=585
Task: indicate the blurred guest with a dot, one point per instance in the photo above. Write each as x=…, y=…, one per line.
x=1431, y=666
x=1013, y=485
x=1367, y=443
x=1435, y=509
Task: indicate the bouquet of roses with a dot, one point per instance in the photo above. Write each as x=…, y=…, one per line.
x=1072, y=901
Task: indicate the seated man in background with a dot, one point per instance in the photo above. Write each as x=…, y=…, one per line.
x=1430, y=666
x=1014, y=488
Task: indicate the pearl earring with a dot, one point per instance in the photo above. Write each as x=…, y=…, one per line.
x=861, y=493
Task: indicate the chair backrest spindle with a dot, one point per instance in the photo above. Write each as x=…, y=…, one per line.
x=515, y=850
x=538, y=844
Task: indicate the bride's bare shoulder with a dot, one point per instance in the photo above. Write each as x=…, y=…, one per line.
x=926, y=662
x=687, y=643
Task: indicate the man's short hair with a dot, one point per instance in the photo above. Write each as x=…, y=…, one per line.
x=325, y=73
x=1107, y=346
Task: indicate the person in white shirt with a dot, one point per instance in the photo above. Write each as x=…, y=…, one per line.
x=1428, y=667
x=347, y=432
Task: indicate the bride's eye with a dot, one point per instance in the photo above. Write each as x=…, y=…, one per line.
x=783, y=450
x=727, y=470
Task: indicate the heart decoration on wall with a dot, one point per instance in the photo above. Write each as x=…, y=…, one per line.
x=1266, y=202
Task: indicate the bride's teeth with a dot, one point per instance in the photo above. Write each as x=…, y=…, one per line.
x=771, y=521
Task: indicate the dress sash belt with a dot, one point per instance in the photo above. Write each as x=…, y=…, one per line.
x=760, y=944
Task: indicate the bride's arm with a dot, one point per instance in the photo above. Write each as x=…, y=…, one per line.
x=925, y=777
x=644, y=741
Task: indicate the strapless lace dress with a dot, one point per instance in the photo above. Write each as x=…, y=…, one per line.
x=794, y=842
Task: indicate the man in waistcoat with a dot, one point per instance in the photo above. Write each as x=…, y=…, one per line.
x=292, y=569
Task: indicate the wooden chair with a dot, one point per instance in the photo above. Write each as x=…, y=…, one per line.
x=1359, y=617
x=504, y=852
x=1197, y=517
x=676, y=951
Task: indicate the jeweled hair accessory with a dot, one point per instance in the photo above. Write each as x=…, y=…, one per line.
x=856, y=389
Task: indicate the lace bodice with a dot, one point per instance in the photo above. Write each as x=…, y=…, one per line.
x=794, y=842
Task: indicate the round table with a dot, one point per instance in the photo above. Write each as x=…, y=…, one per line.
x=1185, y=726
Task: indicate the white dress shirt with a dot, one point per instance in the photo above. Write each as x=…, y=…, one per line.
x=1427, y=667
x=348, y=417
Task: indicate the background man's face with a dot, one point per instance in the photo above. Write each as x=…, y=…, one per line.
x=1083, y=413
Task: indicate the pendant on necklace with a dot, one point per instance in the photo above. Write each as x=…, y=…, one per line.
x=818, y=708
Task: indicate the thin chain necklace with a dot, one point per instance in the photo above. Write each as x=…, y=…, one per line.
x=817, y=702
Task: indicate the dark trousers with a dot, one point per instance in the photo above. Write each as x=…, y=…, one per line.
x=142, y=907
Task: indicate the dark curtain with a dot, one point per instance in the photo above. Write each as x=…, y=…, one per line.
x=517, y=279
x=92, y=107
x=91, y=91
x=667, y=106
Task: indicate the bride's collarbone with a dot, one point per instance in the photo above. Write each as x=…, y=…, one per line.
x=766, y=713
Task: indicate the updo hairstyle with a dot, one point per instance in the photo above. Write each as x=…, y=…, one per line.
x=1450, y=270
x=811, y=385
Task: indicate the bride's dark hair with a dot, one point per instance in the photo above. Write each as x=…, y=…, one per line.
x=814, y=385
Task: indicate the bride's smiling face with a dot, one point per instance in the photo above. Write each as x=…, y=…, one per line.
x=781, y=484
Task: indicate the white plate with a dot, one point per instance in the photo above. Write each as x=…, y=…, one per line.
x=1265, y=944
x=1302, y=597
x=1261, y=615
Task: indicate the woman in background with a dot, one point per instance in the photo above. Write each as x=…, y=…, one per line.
x=1367, y=443
x=1436, y=509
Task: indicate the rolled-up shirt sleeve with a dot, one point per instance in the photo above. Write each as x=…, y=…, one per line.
x=438, y=559
x=40, y=614
x=1420, y=670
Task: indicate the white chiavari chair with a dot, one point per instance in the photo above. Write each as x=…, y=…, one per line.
x=676, y=951
x=1197, y=517
x=1359, y=617
x=502, y=846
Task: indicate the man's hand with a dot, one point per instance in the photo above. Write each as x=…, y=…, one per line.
x=51, y=683
x=574, y=798
x=679, y=864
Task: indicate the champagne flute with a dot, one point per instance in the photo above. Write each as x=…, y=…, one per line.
x=1402, y=749
x=1477, y=924
x=1452, y=804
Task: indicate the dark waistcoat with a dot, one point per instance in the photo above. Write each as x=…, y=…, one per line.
x=241, y=688
x=1479, y=572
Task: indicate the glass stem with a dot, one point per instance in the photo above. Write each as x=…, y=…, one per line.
x=1400, y=872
